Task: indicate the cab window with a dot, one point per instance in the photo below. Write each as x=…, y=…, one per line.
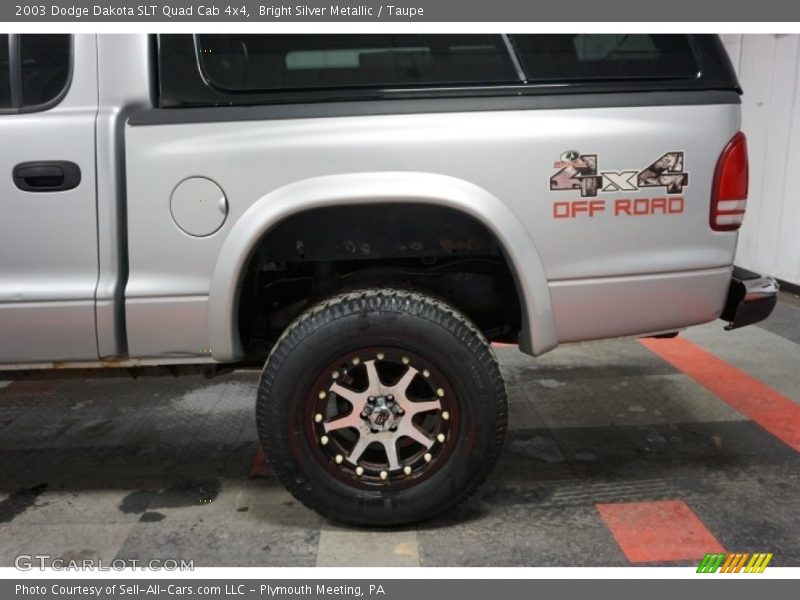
x=44, y=67
x=605, y=57
x=248, y=63
x=5, y=76
x=34, y=70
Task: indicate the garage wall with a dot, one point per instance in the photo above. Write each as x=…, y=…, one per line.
x=769, y=71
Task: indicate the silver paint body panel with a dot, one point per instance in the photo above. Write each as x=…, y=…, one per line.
x=48, y=240
x=492, y=165
x=124, y=86
x=583, y=278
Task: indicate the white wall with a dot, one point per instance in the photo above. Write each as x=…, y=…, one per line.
x=769, y=71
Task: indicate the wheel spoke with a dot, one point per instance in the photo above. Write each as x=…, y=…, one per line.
x=355, y=398
x=416, y=435
x=373, y=379
x=351, y=420
x=402, y=385
x=358, y=449
x=419, y=407
x=390, y=445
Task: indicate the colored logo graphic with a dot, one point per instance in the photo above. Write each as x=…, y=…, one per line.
x=578, y=171
x=735, y=563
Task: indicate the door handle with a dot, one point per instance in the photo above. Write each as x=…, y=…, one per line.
x=47, y=176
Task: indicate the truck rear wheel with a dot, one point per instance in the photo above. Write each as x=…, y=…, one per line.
x=381, y=407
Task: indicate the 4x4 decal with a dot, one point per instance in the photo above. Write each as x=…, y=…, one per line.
x=578, y=171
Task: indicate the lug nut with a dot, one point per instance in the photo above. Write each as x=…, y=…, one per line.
x=426, y=373
x=445, y=416
x=393, y=428
x=356, y=360
x=380, y=356
x=428, y=457
x=440, y=392
x=390, y=398
x=371, y=399
x=407, y=470
x=384, y=474
x=318, y=418
x=359, y=471
x=322, y=395
x=323, y=440
x=441, y=438
x=401, y=412
x=335, y=374
x=339, y=458
x=405, y=360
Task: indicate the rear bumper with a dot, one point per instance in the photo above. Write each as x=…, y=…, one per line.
x=751, y=298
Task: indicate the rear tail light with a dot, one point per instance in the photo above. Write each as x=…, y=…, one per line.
x=729, y=193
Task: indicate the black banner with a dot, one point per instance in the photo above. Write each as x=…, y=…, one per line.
x=398, y=11
x=394, y=589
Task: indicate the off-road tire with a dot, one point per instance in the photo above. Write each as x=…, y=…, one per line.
x=376, y=318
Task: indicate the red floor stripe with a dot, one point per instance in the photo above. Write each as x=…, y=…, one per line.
x=260, y=466
x=772, y=410
x=658, y=531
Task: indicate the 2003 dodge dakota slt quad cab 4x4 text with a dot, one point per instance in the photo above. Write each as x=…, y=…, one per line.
x=361, y=215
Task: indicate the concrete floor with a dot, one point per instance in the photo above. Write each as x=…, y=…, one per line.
x=158, y=467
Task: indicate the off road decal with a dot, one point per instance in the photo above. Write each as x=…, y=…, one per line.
x=576, y=171
x=621, y=207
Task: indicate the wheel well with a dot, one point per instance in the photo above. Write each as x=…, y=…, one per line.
x=436, y=250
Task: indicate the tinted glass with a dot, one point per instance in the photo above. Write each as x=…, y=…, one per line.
x=248, y=63
x=5, y=81
x=44, y=67
x=594, y=57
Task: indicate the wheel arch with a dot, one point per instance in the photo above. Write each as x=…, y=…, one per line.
x=538, y=330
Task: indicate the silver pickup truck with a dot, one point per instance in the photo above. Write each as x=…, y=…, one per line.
x=362, y=216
